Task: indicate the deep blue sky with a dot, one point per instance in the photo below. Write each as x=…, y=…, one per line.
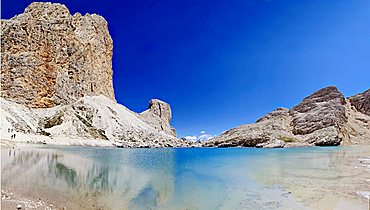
x=224, y=63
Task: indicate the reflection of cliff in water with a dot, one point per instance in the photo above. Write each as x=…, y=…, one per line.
x=116, y=179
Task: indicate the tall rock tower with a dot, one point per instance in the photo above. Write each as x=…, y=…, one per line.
x=50, y=57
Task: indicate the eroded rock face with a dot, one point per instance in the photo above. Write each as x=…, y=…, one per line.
x=323, y=108
x=325, y=118
x=357, y=128
x=159, y=116
x=362, y=102
x=268, y=131
x=50, y=57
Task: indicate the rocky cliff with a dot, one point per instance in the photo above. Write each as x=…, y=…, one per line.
x=325, y=118
x=56, y=80
x=50, y=57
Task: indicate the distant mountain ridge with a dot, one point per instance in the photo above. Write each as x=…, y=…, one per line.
x=324, y=118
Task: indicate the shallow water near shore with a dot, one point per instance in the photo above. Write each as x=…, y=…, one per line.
x=189, y=178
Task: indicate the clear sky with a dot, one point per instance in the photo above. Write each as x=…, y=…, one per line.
x=224, y=63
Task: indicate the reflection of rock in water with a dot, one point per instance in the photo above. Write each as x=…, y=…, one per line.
x=61, y=171
x=146, y=199
x=25, y=158
x=100, y=179
x=117, y=180
x=68, y=174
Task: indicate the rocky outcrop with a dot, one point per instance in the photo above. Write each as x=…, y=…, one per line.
x=159, y=116
x=325, y=118
x=323, y=108
x=268, y=129
x=50, y=57
x=361, y=102
x=321, y=113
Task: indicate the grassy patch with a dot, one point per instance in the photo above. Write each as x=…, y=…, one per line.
x=287, y=139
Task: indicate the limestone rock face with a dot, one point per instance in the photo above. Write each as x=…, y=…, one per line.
x=325, y=118
x=362, y=102
x=323, y=108
x=159, y=116
x=50, y=57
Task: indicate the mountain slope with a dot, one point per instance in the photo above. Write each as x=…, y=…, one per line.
x=91, y=117
x=325, y=118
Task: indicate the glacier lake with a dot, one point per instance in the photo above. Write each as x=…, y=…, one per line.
x=186, y=178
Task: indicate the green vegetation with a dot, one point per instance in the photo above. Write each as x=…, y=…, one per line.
x=287, y=139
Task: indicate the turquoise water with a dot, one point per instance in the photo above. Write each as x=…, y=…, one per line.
x=196, y=178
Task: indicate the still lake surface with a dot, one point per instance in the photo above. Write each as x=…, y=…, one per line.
x=190, y=178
